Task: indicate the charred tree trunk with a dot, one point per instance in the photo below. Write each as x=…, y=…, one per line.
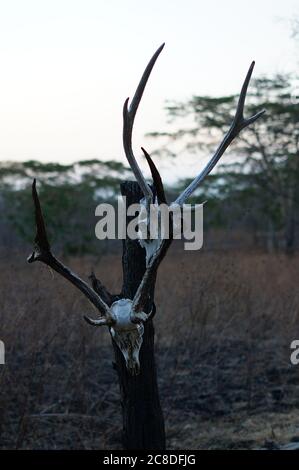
x=290, y=236
x=290, y=229
x=143, y=422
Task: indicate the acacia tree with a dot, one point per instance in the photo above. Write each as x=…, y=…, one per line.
x=268, y=153
x=129, y=314
x=69, y=192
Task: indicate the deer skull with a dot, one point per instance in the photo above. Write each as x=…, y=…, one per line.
x=125, y=317
x=127, y=334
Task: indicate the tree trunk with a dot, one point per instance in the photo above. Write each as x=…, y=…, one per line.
x=143, y=422
x=290, y=225
x=290, y=235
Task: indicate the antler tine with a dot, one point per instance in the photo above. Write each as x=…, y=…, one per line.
x=42, y=252
x=98, y=322
x=236, y=127
x=128, y=117
x=240, y=122
x=156, y=178
x=41, y=239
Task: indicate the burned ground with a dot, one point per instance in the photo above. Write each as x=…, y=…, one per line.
x=224, y=325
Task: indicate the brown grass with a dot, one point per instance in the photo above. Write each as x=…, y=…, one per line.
x=224, y=325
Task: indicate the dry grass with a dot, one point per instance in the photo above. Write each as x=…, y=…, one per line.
x=224, y=325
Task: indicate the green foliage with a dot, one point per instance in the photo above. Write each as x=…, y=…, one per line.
x=69, y=195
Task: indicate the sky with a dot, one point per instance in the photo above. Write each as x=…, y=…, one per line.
x=68, y=65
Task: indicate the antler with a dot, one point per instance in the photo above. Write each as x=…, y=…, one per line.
x=158, y=184
x=238, y=124
x=236, y=127
x=142, y=295
x=129, y=114
x=43, y=253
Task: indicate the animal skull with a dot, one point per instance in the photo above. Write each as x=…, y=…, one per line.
x=127, y=334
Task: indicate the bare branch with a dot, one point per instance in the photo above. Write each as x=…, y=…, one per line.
x=42, y=252
x=128, y=117
x=237, y=125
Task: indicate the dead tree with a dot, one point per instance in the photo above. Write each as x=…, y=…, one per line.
x=129, y=315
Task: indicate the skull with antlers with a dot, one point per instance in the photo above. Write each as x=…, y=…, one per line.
x=125, y=317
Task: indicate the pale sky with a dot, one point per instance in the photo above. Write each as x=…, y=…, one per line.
x=68, y=65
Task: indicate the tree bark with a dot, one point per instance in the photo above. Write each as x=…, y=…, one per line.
x=290, y=234
x=143, y=422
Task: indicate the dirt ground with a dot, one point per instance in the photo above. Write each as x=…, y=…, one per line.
x=224, y=325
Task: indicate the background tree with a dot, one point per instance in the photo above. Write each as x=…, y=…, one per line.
x=70, y=193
